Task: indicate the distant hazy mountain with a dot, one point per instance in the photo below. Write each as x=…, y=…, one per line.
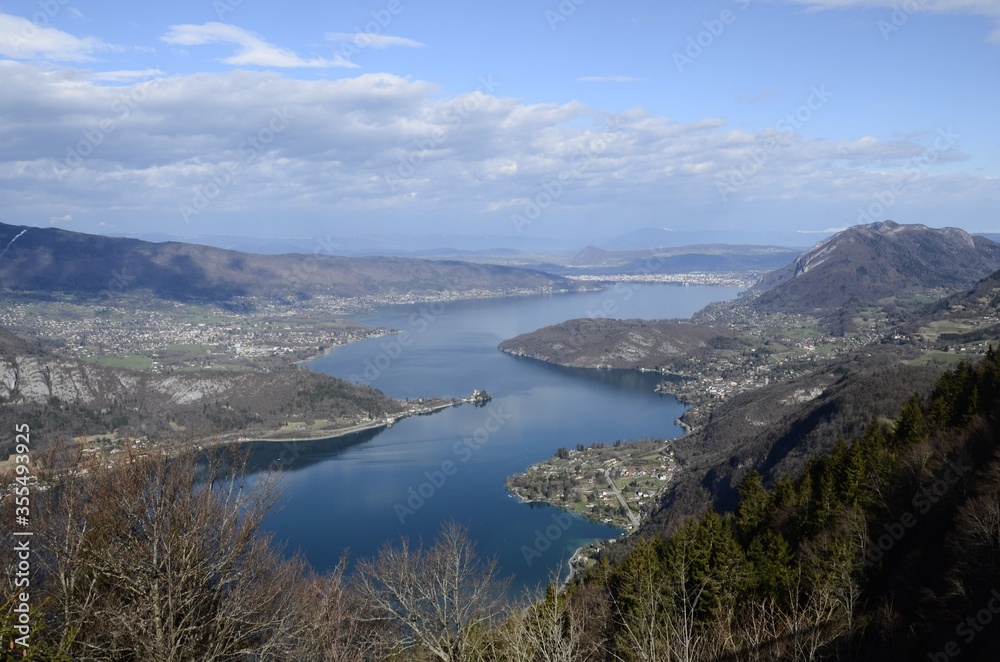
x=234, y=242
x=54, y=260
x=691, y=233
x=867, y=263
x=712, y=258
x=410, y=245
x=641, y=239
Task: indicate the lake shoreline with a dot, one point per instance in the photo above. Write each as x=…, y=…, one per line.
x=362, y=427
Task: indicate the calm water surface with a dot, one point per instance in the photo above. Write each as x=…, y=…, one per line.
x=358, y=492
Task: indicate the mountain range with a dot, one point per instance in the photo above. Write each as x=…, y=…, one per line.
x=868, y=263
x=860, y=266
x=774, y=428
x=51, y=260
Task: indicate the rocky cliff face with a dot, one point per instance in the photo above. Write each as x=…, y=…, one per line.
x=69, y=397
x=37, y=379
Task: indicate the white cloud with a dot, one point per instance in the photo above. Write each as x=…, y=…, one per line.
x=252, y=49
x=125, y=75
x=20, y=39
x=384, y=147
x=766, y=95
x=371, y=40
x=607, y=79
x=987, y=8
x=826, y=231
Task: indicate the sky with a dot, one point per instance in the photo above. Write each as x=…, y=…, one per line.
x=778, y=120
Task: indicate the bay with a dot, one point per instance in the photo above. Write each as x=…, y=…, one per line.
x=358, y=492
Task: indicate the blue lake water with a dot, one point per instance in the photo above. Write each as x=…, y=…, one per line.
x=358, y=492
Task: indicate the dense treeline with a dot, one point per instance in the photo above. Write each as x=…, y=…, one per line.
x=776, y=431
x=887, y=547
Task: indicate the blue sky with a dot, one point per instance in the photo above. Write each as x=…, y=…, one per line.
x=581, y=119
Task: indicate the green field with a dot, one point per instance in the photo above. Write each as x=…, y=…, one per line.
x=191, y=349
x=131, y=362
x=934, y=330
x=229, y=367
x=946, y=358
x=803, y=332
x=827, y=349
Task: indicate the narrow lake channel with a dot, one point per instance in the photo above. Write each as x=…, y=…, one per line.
x=358, y=492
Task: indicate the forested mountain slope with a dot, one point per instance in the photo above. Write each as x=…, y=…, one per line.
x=884, y=548
x=51, y=260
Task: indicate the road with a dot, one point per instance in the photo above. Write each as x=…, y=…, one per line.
x=618, y=493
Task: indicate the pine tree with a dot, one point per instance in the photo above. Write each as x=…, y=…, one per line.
x=824, y=503
x=727, y=561
x=783, y=494
x=910, y=426
x=854, y=482
x=771, y=560
x=754, y=505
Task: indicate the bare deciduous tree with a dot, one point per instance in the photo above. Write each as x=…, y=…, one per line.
x=815, y=618
x=438, y=598
x=547, y=630
x=162, y=559
x=339, y=625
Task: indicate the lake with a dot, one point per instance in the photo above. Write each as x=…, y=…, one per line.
x=360, y=491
